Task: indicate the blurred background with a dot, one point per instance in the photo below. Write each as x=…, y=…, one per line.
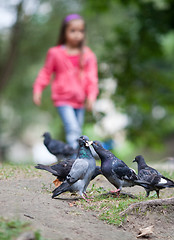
x=134, y=44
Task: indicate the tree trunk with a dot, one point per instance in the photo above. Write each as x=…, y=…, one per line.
x=142, y=206
x=7, y=68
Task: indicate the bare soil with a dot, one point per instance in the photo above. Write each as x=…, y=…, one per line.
x=29, y=199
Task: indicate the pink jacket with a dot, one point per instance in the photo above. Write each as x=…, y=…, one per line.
x=69, y=86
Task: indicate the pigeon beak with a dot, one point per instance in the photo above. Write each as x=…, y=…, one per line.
x=134, y=160
x=89, y=143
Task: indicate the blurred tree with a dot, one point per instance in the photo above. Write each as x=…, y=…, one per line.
x=136, y=57
x=7, y=64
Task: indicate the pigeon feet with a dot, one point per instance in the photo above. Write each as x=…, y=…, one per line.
x=89, y=199
x=117, y=192
x=86, y=198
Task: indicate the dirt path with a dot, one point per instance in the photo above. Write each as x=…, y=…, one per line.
x=26, y=195
x=54, y=218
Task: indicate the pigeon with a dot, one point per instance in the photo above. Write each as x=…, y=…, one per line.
x=81, y=171
x=115, y=170
x=62, y=169
x=58, y=148
x=155, y=179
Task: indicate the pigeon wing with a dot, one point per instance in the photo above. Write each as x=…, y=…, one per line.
x=68, y=150
x=121, y=170
x=148, y=175
x=54, y=147
x=62, y=169
x=157, y=179
x=152, y=170
x=78, y=171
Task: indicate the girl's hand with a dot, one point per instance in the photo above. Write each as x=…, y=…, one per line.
x=89, y=104
x=37, y=97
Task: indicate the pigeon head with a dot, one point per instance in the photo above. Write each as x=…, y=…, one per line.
x=83, y=140
x=100, y=150
x=97, y=145
x=46, y=135
x=138, y=159
x=84, y=150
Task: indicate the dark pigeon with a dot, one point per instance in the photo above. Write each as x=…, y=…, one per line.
x=155, y=179
x=115, y=170
x=58, y=148
x=81, y=172
x=62, y=169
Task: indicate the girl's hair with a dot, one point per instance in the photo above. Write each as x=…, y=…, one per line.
x=62, y=38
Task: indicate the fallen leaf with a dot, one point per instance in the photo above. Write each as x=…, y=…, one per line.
x=71, y=204
x=57, y=183
x=145, y=231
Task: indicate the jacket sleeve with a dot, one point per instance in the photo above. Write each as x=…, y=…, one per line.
x=92, y=78
x=44, y=76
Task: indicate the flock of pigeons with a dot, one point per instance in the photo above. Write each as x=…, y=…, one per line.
x=76, y=168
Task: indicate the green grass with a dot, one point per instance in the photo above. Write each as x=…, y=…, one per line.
x=47, y=189
x=169, y=175
x=11, y=229
x=11, y=170
x=108, y=207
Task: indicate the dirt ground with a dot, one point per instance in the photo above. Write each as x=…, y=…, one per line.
x=29, y=200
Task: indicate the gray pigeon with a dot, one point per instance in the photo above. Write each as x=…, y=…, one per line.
x=155, y=179
x=115, y=170
x=81, y=172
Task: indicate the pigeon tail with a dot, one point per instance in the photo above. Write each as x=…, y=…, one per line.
x=46, y=168
x=141, y=183
x=165, y=182
x=62, y=188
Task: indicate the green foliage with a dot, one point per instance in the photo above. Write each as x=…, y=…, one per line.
x=168, y=174
x=136, y=54
x=10, y=229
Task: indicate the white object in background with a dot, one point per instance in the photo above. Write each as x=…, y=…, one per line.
x=111, y=121
x=18, y=152
x=41, y=154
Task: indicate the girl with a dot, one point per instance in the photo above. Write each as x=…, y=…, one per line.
x=75, y=79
